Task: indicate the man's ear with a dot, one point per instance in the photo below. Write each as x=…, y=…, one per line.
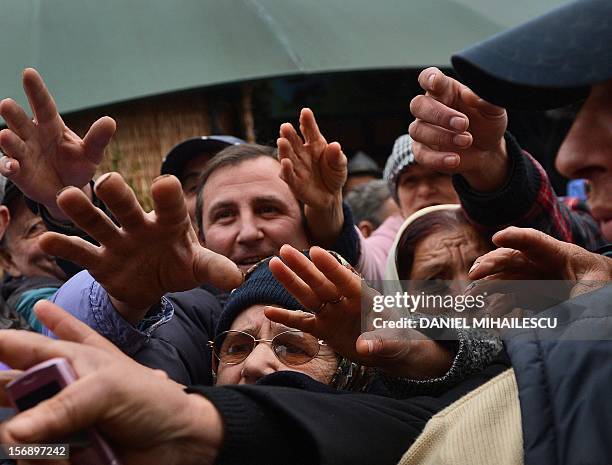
x=5, y=218
x=366, y=227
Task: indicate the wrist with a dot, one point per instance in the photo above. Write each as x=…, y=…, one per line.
x=493, y=170
x=202, y=431
x=325, y=221
x=129, y=313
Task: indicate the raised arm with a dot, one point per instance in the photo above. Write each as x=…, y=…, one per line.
x=42, y=154
x=315, y=172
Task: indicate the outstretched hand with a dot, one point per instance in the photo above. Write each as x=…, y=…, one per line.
x=149, y=255
x=527, y=254
x=340, y=303
x=42, y=154
x=316, y=172
x=455, y=131
x=113, y=393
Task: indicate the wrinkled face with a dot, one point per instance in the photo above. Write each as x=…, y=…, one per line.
x=447, y=255
x=189, y=181
x=419, y=187
x=586, y=153
x=21, y=241
x=249, y=212
x=262, y=361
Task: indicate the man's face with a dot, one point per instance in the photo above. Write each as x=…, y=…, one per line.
x=189, y=180
x=21, y=241
x=419, y=187
x=586, y=153
x=249, y=212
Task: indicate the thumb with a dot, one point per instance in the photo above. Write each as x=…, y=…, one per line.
x=216, y=269
x=336, y=165
x=98, y=137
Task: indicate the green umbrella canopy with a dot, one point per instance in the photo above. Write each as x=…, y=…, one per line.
x=93, y=52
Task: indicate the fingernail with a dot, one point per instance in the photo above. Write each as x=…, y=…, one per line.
x=458, y=123
x=161, y=176
x=451, y=161
x=471, y=286
x=370, y=346
x=461, y=140
x=474, y=266
x=102, y=179
x=8, y=164
x=57, y=194
x=430, y=80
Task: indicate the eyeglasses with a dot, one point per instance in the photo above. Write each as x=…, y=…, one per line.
x=293, y=347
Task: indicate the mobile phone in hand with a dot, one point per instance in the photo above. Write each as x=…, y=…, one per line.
x=42, y=382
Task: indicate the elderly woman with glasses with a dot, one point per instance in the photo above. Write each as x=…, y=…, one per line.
x=248, y=346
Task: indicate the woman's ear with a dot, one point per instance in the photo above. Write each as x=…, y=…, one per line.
x=366, y=228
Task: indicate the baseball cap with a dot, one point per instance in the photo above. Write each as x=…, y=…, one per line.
x=548, y=62
x=181, y=153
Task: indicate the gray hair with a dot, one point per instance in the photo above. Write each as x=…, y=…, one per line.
x=367, y=200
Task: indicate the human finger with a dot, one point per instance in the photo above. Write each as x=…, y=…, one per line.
x=24, y=349
x=10, y=168
x=294, y=284
x=435, y=136
x=294, y=150
x=336, y=161
x=12, y=145
x=288, y=175
x=16, y=118
x=98, y=137
x=76, y=407
x=441, y=87
x=306, y=270
x=77, y=206
x=286, y=151
x=484, y=108
x=297, y=319
x=71, y=248
x=498, y=261
x=442, y=161
x=430, y=110
x=40, y=99
x=309, y=127
x=168, y=200
x=68, y=328
x=537, y=246
x=216, y=269
x=347, y=283
x=120, y=199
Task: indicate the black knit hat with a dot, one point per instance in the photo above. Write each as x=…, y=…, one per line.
x=259, y=288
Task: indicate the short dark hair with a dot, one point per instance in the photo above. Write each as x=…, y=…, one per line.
x=441, y=220
x=230, y=156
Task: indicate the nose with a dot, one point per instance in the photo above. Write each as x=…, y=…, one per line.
x=261, y=362
x=583, y=152
x=425, y=188
x=250, y=229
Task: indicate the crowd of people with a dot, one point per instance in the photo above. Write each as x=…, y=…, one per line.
x=231, y=323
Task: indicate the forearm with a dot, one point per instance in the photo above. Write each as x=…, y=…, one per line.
x=85, y=299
